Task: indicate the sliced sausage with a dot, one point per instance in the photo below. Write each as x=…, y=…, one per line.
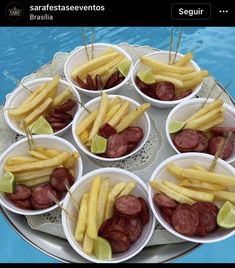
x=40, y=194
x=128, y=205
x=116, y=145
x=167, y=214
x=119, y=80
x=66, y=106
x=144, y=214
x=131, y=146
x=206, y=215
x=24, y=204
x=141, y=85
x=119, y=220
x=220, y=131
x=183, y=94
x=81, y=83
x=162, y=200
x=58, y=126
x=186, y=140
x=133, y=134
x=21, y=192
x=63, y=116
x=112, y=80
x=203, y=142
x=134, y=228
x=201, y=229
x=59, y=177
x=185, y=219
x=40, y=206
x=107, y=130
x=99, y=82
x=164, y=91
x=214, y=144
x=90, y=83
x=104, y=225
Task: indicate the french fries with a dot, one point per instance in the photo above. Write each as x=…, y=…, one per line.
x=102, y=201
x=53, y=162
x=130, y=186
x=87, y=122
x=15, y=160
x=224, y=195
x=92, y=227
x=36, y=181
x=62, y=97
x=132, y=116
x=114, y=101
x=84, y=136
x=48, y=152
x=195, y=184
x=71, y=162
x=30, y=175
x=37, y=100
x=112, y=112
x=87, y=245
x=114, y=192
x=185, y=77
x=172, y=194
x=175, y=81
x=190, y=83
x=119, y=114
x=195, y=195
x=212, y=123
x=38, y=155
x=183, y=61
x=100, y=116
x=159, y=66
x=82, y=219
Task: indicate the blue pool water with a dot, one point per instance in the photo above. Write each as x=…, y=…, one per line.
x=25, y=49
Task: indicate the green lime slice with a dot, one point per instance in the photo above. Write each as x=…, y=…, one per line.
x=41, y=126
x=124, y=67
x=146, y=76
x=7, y=183
x=98, y=144
x=102, y=249
x=176, y=126
x=226, y=216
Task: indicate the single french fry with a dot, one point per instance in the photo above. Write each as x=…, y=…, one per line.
x=100, y=116
x=93, y=64
x=186, y=58
x=130, y=186
x=212, y=123
x=84, y=136
x=174, y=170
x=62, y=97
x=224, y=195
x=175, y=81
x=36, y=181
x=119, y=114
x=72, y=160
x=207, y=176
x=53, y=162
x=47, y=151
x=15, y=160
x=190, y=84
x=207, y=108
x=127, y=120
x=30, y=175
x=114, y=101
x=82, y=219
x=87, y=245
x=114, y=192
x=198, y=167
x=112, y=112
x=195, y=184
x=38, y=155
x=102, y=201
x=87, y=122
x=37, y=100
x=37, y=112
x=185, y=77
x=165, y=67
x=172, y=194
x=195, y=195
x=92, y=228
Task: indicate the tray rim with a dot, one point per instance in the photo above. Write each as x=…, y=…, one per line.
x=14, y=226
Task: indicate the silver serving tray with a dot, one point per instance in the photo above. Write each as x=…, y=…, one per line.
x=60, y=249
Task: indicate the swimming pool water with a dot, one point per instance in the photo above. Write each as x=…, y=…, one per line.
x=23, y=50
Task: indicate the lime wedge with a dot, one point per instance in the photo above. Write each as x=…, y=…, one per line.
x=98, y=144
x=146, y=76
x=226, y=216
x=102, y=249
x=7, y=183
x=41, y=126
x=124, y=67
x=176, y=126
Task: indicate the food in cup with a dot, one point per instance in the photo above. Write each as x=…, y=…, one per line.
x=102, y=72
x=45, y=110
x=39, y=179
x=190, y=204
x=201, y=133
x=116, y=217
x=168, y=82
x=109, y=131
